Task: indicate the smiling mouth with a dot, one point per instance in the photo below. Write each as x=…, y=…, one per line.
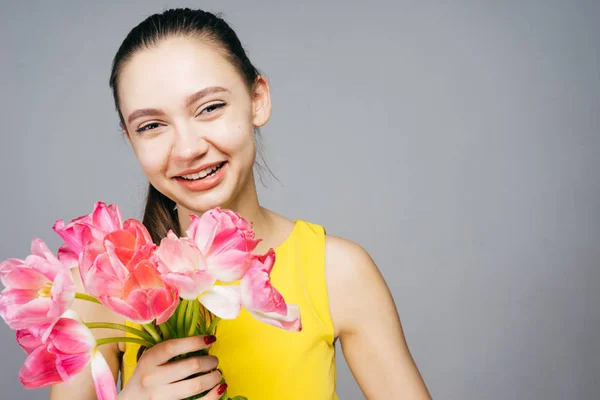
x=205, y=173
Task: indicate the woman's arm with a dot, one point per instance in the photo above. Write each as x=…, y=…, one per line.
x=366, y=321
x=81, y=387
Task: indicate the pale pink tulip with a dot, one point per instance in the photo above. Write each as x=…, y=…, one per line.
x=69, y=348
x=38, y=290
x=182, y=265
x=262, y=300
x=89, y=228
x=124, y=277
x=226, y=240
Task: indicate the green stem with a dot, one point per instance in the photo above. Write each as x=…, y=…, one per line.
x=165, y=332
x=213, y=325
x=181, y=317
x=202, y=323
x=188, y=317
x=170, y=329
x=152, y=331
x=125, y=339
x=124, y=328
x=195, y=305
x=86, y=297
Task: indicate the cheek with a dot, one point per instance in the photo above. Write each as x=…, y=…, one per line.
x=235, y=138
x=152, y=155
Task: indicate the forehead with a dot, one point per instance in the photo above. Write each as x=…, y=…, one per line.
x=172, y=70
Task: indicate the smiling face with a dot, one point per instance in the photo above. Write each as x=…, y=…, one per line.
x=190, y=119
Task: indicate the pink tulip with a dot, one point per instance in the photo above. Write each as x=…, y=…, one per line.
x=182, y=265
x=262, y=300
x=123, y=276
x=38, y=290
x=127, y=246
x=69, y=348
x=89, y=228
x=226, y=240
x=145, y=296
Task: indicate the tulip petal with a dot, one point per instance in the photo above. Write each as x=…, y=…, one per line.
x=203, y=231
x=62, y=294
x=27, y=340
x=104, y=277
x=258, y=294
x=40, y=249
x=33, y=312
x=67, y=257
x=70, y=336
x=229, y=266
x=179, y=255
x=145, y=276
x=138, y=229
x=233, y=239
x=18, y=275
x=69, y=365
x=102, y=377
x=171, y=302
x=223, y=301
x=123, y=308
x=106, y=218
x=290, y=322
x=191, y=284
x=76, y=235
x=39, y=369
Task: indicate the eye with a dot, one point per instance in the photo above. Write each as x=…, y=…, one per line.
x=212, y=108
x=147, y=127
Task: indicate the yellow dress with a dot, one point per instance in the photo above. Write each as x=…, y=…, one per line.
x=263, y=362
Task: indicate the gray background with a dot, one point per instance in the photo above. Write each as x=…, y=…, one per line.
x=458, y=142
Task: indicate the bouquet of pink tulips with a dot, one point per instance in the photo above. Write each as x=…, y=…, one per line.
x=159, y=287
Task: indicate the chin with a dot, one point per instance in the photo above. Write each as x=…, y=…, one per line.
x=202, y=202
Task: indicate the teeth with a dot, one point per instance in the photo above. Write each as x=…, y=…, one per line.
x=202, y=174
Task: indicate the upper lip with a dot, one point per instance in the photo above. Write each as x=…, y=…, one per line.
x=200, y=168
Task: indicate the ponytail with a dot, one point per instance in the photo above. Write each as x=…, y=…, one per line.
x=160, y=215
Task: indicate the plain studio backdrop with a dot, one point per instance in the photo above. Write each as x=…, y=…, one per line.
x=458, y=142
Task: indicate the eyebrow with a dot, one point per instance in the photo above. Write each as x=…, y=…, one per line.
x=144, y=112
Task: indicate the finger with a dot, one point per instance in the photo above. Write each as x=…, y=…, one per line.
x=177, y=370
x=216, y=392
x=164, y=351
x=193, y=386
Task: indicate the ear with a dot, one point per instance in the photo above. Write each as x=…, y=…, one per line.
x=261, y=102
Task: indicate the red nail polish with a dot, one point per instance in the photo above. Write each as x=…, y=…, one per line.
x=209, y=339
x=221, y=389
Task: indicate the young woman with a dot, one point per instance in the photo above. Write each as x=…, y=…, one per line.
x=190, y=102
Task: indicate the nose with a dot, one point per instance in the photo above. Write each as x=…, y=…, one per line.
x=189, y=144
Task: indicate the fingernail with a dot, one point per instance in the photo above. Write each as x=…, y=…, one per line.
x=221, y=389
x=209, y=339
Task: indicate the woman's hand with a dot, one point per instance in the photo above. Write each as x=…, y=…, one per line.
x=157, y=378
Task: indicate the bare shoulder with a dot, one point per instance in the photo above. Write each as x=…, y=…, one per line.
x=366, y=320
x=347, y=261
x=349, y=268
